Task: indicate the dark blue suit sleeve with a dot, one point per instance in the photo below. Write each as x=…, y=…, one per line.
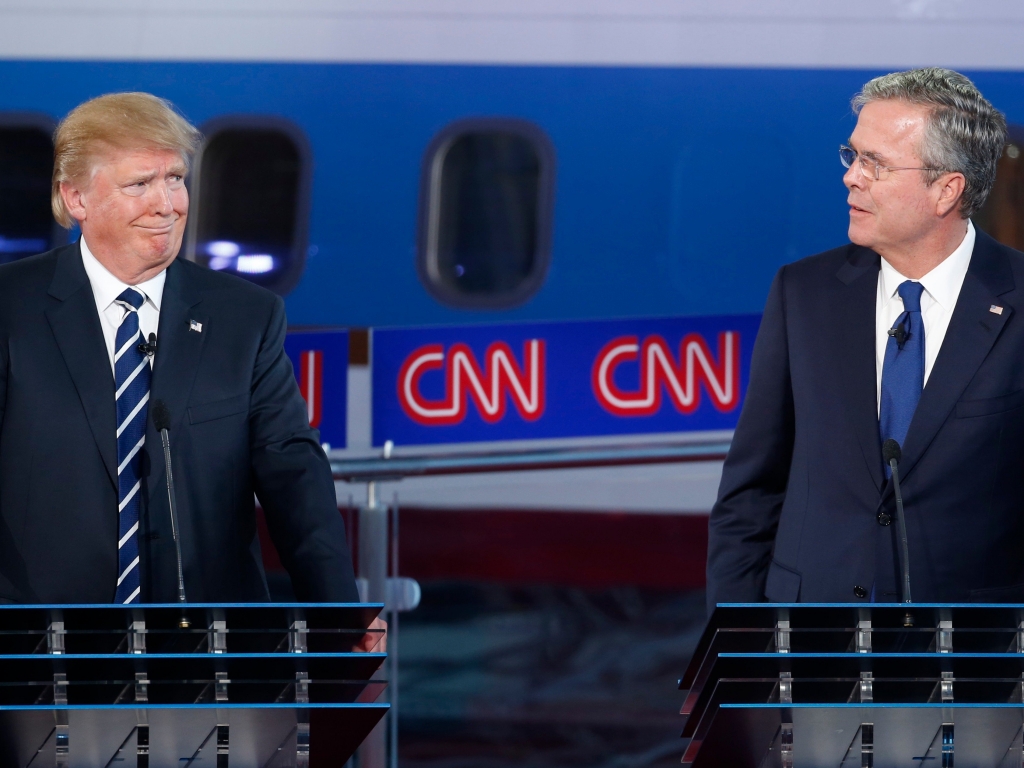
x=4, y=356
x=741, y=533
x=292, y=477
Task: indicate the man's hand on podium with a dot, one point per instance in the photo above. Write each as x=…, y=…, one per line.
x=375, y=640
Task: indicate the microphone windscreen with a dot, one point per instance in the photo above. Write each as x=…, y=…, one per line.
x=891, y=450
x=161, y=415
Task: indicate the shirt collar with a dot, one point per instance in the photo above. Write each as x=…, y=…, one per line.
x=943, y=283
x=107, y=288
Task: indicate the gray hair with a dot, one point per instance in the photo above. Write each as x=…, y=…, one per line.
x=964, y=134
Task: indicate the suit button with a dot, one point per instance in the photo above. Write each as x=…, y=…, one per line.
x=884, y=518
x=860, y=592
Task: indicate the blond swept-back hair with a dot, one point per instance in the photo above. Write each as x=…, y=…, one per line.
x=119, y=121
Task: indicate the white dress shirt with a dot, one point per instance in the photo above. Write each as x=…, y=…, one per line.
x=106, y=288
x=938, y=300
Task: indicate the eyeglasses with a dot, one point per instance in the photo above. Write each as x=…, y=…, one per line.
x=871, y=169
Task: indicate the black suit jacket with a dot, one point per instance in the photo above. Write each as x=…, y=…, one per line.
x=797, y=511
x=238, y=428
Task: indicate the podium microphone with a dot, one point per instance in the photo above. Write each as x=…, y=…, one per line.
x=162, y=421
x=891, y=453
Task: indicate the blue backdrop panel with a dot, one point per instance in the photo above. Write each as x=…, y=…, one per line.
x=658, y=203
x=320, y=359
x=569, y=379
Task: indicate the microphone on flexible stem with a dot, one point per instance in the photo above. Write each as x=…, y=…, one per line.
x=891, y=453
x=162, y=422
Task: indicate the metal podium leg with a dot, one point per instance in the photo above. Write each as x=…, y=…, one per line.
x=786, y=744
x=63, y=732
x=782, y=644
x=373, y=547
x=62, y=740
x=947, y=745
x=142, y=746
x=223, y=745
x=302, y=715
x=867, y=745
x=373, y=567
x=947, y=725
x=867, y=730
x=141, y=697
x=786, y=729
x=866, y=692
x=302, y=741
x=223, y=728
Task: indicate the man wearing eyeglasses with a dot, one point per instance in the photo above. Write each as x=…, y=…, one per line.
x=914, y=333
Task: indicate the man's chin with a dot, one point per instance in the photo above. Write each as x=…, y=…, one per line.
x=161, y=248
x=858, y=236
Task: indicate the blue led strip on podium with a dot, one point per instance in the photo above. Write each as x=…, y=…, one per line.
x=242, y=683
x=857, y=685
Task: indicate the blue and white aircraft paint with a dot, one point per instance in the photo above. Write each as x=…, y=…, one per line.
x=695, y=145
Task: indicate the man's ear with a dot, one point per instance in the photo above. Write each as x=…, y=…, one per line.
x=72, y=195
x=951, y=190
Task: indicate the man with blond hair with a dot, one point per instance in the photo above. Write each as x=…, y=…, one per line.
x=905, y=345
x=93, y=334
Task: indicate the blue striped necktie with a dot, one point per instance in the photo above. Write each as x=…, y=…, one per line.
x=903, y=369
x=131, y=377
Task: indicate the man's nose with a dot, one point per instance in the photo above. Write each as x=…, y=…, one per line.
x=160, y=198
x=853, y=177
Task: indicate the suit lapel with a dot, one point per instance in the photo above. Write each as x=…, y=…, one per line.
x=176, y=361
x=855, y=310
x=76, y=327
x=973, y=329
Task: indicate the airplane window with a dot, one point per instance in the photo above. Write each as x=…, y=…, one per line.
x=26, y=167
x=251, y=197
x=485, y=217
x=1002, y=216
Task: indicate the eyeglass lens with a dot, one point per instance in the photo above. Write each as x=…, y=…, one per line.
x=848, y=157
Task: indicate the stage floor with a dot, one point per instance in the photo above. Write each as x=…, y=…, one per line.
x=544, y=676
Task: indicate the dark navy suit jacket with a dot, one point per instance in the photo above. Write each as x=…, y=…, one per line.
x=238, y=428
x=797, y=516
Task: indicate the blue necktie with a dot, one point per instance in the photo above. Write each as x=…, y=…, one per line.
x=903, y=369
x=131, y=377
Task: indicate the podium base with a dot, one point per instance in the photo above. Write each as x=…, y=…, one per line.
x=255, y=737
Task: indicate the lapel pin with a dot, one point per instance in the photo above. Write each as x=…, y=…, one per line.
x=196, y=326
x=995, y=310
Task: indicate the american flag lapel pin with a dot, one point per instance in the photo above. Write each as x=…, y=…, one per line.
x=995, y=310
x=195, y=325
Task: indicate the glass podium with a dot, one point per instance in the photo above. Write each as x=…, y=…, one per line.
x=178, y=685
x=870, y=685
